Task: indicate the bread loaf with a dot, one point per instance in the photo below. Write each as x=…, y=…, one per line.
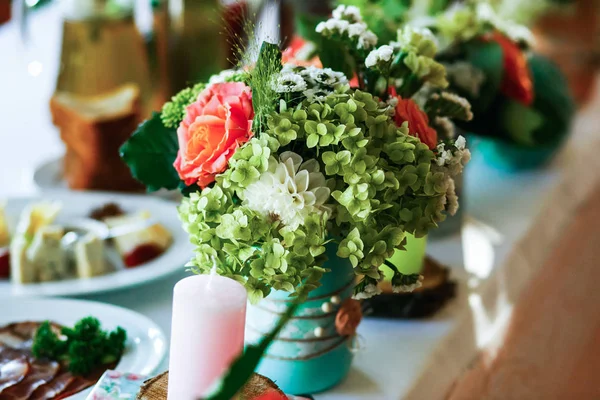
x=93, y=128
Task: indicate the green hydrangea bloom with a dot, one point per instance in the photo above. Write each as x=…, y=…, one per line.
x=173, y=111
x=382, y=181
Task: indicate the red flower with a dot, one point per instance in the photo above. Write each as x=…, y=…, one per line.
x=516, y=81
x=418, y=121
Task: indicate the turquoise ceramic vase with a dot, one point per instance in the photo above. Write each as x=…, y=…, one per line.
x=510, y=157
x=309, y=356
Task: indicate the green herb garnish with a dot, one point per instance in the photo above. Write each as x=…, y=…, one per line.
x=84, y=347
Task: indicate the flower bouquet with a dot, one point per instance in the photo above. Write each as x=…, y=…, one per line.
x=521, y=101
x=300, y=178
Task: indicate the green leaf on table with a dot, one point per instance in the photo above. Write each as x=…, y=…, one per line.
x=150, y=153
x=243, y=367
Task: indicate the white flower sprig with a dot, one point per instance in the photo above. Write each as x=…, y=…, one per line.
x=347, y=22
x=455, y=159
x=408, y=288
x=369, y=291
x=380, y=58
x=347, y=13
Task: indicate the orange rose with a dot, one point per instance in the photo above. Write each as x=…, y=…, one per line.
x=418, y=122
x=213, y=128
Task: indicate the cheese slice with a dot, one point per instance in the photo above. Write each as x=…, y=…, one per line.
x=32, y=218
x=156, y=234
x=47, y=255
x=89, y=257
x=21, y=270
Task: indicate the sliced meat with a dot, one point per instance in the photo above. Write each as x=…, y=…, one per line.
x=9, y=339
x=40, y=373
x=22, y=377
x=53, y=388
x=13, y=371
x=26, y=330
x=22, y=332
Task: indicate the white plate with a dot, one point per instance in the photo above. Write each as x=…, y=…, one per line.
x=48, y=176
x=146, y=344
x=79, y=204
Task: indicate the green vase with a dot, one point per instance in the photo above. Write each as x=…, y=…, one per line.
x=409, y=261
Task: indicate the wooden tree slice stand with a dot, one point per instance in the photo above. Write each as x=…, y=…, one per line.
x=437, y=290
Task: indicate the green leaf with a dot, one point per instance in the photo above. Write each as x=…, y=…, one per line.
x=269, y=57
x=520, y=122
x=150, y=153
x=312, y=140
x=264, y=98
x=334, y=55
x=243, y=367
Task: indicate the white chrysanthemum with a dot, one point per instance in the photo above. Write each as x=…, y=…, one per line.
x=382, y=54
x=288, y=81
x=324, y=76
x=370, y=291
x=348, y=13
x=290, y=190
x=316, y=94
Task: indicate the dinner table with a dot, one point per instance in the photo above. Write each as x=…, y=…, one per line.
x=394, y=355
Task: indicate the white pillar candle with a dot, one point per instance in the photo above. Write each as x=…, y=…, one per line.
x=207, y=333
